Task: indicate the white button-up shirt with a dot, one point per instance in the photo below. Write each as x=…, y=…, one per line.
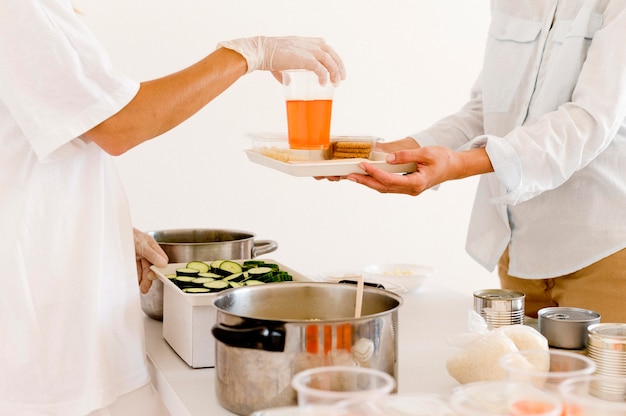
x=550, y=108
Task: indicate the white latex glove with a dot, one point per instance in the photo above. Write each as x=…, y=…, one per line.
x=147, y=253
x=277, y=54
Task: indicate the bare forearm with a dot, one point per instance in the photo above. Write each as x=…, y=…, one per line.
x=473, y=162
x=164, y=103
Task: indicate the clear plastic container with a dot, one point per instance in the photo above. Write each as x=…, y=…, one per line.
x=332, y=384
x=504, y=398
x=545, y=368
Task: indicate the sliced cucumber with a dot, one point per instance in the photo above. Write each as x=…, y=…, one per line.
x=271, y=266
x=211, y=275
x=201, y=266
x=250, y=264
x=260, y=271
x=184, y=271
x=218, y=275
x=184, y=281
x=202, y=280
x=235, y=277
x=282, y=276
x=196, y=290
x=215, y=264
x=228, y=267
x=217, y=285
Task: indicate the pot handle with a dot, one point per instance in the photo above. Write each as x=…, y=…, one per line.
x=263, y=246
x=258, y=337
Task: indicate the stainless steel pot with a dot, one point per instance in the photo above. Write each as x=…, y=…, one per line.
x=184, y=245
x=266, y=334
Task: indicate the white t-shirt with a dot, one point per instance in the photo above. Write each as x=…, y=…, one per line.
x=70, y=315
x=550, y=108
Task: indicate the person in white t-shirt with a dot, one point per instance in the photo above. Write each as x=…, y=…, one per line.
x=70, y=314
x=546, y=129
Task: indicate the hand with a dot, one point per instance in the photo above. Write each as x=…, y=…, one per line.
x=147, y=253
x=435, y=164
x=281, y=53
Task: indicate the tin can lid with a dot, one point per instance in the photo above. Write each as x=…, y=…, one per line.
x=608, y=337
x=568, y=314
x=609, y=330
x=499, y=294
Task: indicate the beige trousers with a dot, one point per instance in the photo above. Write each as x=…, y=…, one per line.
x=600, y=287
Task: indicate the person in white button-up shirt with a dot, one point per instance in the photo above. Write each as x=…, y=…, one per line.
x=546, y=129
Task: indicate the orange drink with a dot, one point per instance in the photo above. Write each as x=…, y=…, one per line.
x=308, y=123
x=309, y=108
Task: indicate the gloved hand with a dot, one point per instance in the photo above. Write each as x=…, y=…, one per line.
x=147, y=253
x=281, y=53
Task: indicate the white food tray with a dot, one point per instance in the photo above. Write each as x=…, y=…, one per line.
x=334, y=167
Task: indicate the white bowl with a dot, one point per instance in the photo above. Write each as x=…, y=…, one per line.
x=337, y=277
x=408, y=275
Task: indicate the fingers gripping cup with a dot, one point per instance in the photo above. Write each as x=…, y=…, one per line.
x=309, y=108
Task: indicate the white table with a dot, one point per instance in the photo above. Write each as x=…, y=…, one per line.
x=426, y=318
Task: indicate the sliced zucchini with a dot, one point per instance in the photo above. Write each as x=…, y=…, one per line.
x=261, y=273
x=217, y=285
x=184, y=281
x=184, y=271
x=201, y=266
x=235, y=284
x=252, y=282
x=282, y=276
x=210, y=274
x=202, y=280
x=250, y=264
x=171, y=276
x=235, y=277
x=215, y=264
x=272, y=266
x=196, y=290
x=228, y=267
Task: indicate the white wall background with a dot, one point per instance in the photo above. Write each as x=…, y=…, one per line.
x=410, y=62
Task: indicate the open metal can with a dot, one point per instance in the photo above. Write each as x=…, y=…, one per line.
x=566, y=327
x=500, y=307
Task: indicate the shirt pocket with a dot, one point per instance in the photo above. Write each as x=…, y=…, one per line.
x=510, y=47
x=583, y=27
x=570, y=40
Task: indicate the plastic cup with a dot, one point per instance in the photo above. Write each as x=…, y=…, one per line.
x=333, y=384
x=394, y=404
x=545, y=368
x=295, y=411
x=504, y=398
x=594, y=395
x=309, y=109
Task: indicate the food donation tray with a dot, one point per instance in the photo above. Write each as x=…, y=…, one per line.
x=272, y=150
x=332, y=167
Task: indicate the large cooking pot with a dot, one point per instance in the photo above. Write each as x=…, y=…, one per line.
x=185, y=245
x=265, y=334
